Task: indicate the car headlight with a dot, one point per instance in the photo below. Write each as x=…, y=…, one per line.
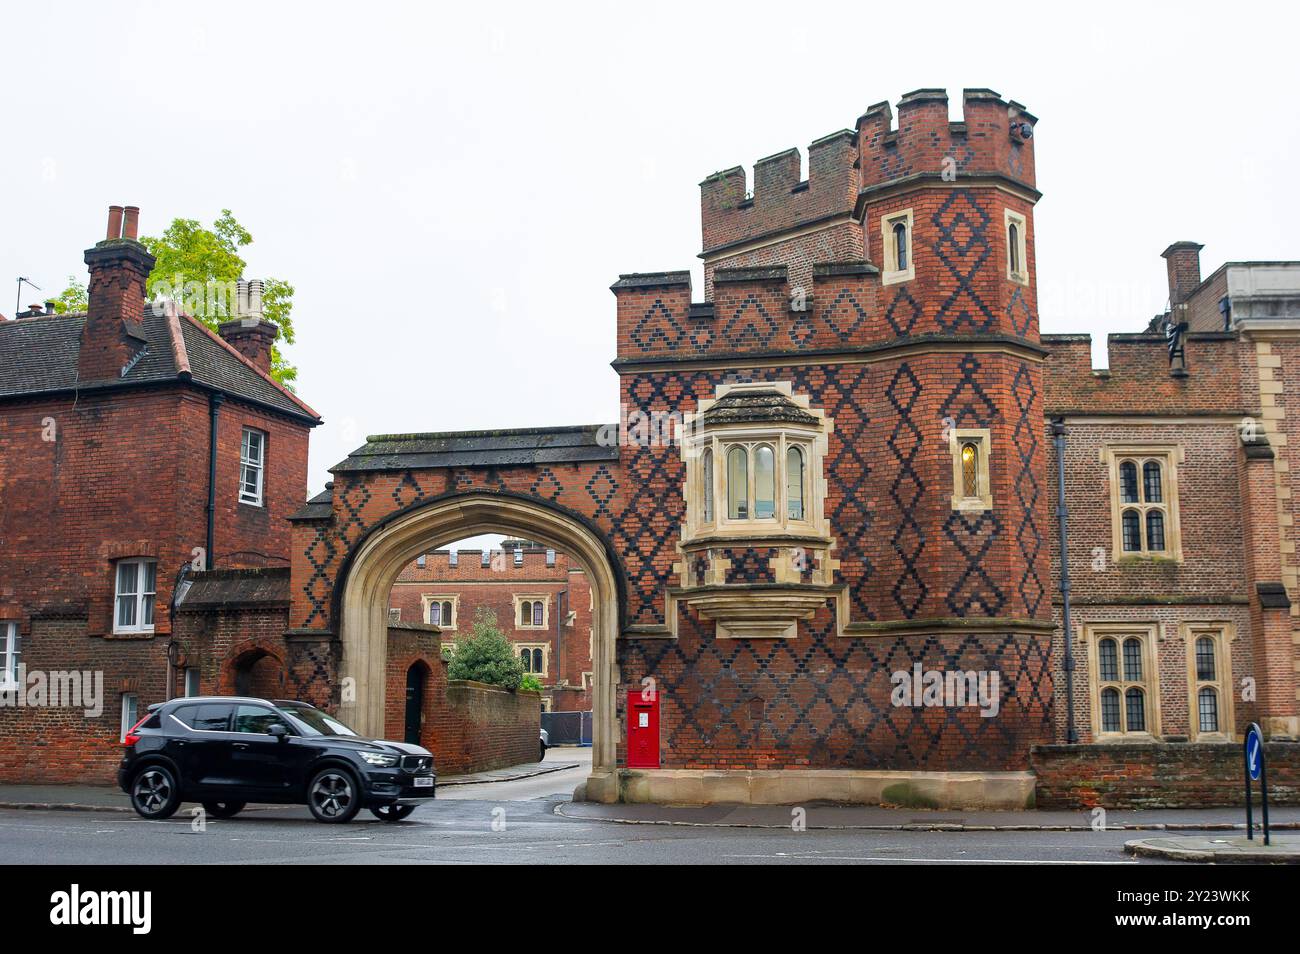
x=379, y=758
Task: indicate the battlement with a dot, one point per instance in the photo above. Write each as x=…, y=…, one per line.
x=785, y=219
x=780, y=200
x=1138, y=378
x=993, y=138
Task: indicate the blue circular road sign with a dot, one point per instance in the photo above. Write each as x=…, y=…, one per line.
x=1254, y=752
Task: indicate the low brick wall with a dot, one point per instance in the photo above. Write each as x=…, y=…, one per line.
x=487, y=728
x=1158, y=775
x=468, y=726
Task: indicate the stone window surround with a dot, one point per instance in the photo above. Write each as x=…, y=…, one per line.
x=1148, y=633
x=1223, y=634
x=891, y=274
x=546, y=610
x=982, y=438
x=1169, y=457
x=546, y=656
x=1010, y=218
x=426, y=599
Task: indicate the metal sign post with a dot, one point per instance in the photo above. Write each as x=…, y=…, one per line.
x=1256, y=769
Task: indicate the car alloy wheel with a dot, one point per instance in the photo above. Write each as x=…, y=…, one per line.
x=153, y=794
x=332, y=796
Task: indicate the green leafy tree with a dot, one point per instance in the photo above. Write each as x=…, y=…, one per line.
x=531, y=683
x=199, y=267
x=486, y=655
x=73, y=298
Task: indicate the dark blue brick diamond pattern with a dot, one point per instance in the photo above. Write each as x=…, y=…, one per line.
x=802, y=329
x=602, y=487
x=407, y=491
x=1019, y=317
x=845, y=395
x=652, y=508
x=320, y=554
x=968, y=404
x=908, y=539
x=903, y=312
x=750, y=565
x=658, y=329
x=546, y=485
x=844, y=315
x=962, y=247
x=756, y=695
x=1025, y=438
x=974, y=593
x=972, y=535
x=750, y=324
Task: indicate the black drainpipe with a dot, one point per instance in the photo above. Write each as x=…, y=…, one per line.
x=1058, y=436
x=215, y=401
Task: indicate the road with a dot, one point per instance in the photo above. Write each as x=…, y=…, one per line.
x=509, y=823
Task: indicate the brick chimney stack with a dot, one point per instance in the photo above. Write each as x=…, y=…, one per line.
x=250, y=333
x=1183, y=260
x=119, y=266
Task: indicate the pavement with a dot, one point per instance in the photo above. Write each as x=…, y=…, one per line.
x=1283, y=850
x=869, y=818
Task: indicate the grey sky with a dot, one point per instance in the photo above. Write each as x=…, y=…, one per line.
x=452, y=190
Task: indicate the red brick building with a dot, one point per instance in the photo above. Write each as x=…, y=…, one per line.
x=821, y=541
x=821, y=537
x=135, y=444
x=539, y=599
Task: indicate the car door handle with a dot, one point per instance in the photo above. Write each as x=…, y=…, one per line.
x=241, y=745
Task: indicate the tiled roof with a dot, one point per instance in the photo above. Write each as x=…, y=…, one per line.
x=217, y=589
x=40, y=356
x=522, y=447
x=320, y=507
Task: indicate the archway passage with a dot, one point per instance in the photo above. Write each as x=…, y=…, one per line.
x=380, y=556
x=416, y=679
x=258, y=673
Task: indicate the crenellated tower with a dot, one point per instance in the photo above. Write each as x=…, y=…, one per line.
x=869, y=336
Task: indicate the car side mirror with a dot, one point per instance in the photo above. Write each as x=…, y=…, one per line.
x=280, y=732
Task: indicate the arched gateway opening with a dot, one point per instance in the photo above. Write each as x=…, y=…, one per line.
x=388, y=547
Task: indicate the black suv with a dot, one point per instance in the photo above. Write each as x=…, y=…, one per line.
x=228, y=751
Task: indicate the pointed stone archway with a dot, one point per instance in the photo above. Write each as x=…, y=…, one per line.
x=380, y=556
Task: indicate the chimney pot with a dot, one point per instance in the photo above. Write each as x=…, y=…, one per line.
x=114, y=222
x=49, y=307
x=130, y=221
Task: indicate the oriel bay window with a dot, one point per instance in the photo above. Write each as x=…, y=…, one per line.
x=753, y=465
x=765, y=481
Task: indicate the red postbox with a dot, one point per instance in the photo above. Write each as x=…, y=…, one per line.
x=643, y=729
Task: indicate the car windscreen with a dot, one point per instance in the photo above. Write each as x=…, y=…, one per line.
x=312, y=721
